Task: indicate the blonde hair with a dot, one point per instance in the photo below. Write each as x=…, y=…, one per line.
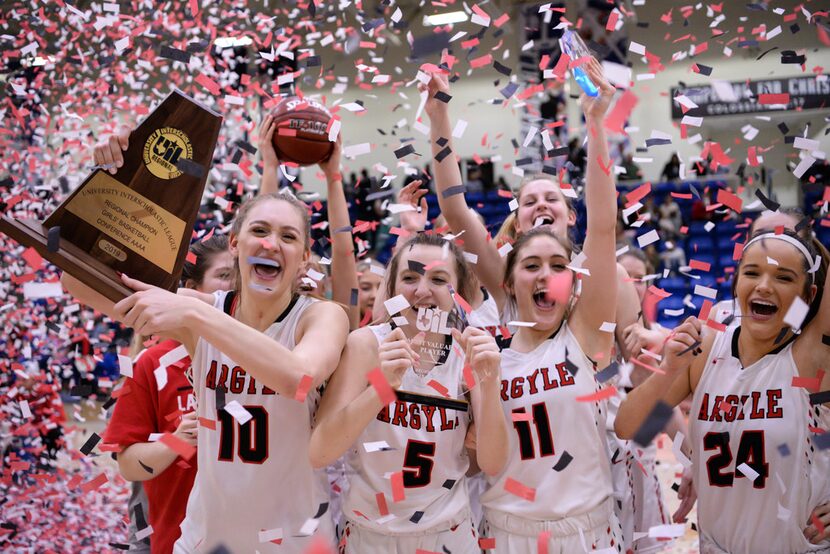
x=508, y=232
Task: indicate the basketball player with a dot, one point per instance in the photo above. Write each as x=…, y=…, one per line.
x=541, y=202
x=761, y=468
x=259, y=353
x=148, y=406
x=424, y=508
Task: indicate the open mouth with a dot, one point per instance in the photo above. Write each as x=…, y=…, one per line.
x=540, y=298
x=542, y=220
x=426, y=306
x=264, y=268
x=761, y=309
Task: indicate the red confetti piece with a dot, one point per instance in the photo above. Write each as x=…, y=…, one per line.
x=542, y=542
x=715, y=325
x=398, y=494
x=730, y=200
x=378, y=380
x=637, y=194
x=191, y=258
x=812, y=384
x=737, y=251
x=463, y=303
x=602, y=394
x=207, y=423
x=702, y=266
x=211, y=85
x=487, y=59
x=518, y=489
x=441, y=389
x=303, y=387
x=469, y=377
x=766, y=99
x=705, y=309
x=95, y=483
x=383, y=509
x=32, y=258
x=178, y=446
x=486, y=543
x=612, y=20
x=521, y=416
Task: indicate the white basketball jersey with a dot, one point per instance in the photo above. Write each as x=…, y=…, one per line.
x=426, y=443
x=752, y=451
x=486, y=316
x=257, y=476
x=539, y=396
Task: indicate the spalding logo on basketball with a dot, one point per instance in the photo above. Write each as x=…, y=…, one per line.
x=302, y=134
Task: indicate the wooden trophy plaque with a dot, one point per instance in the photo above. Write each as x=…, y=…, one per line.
x=139, y=220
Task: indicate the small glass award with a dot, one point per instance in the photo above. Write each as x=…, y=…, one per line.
x=575, y=48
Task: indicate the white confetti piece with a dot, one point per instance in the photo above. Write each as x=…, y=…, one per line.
x=309, y=527
x=648, y=238
x=706, y=292
x=270, y=535
x=803, y=166
x=335, y=129
x=396, y=304
x=797, y=312
x=400, y=321
x=125, y=365
x=470, y=257
x=174, y=356
x=34, y=291
x=460, y=127
x=805, y=144
x=513, y=205
x=160, y=373
x=693, y=121
x=772, y=261
x=521, y=323
x=748, y=472
x=142, y=534
x=355, y=150
x=607, y=327
x=376, y=446
x=637, y=48
x=505, y=249
x=670, y=531
x=677, y=448
x=723, y=91
x=239, y=413
x=25, y=409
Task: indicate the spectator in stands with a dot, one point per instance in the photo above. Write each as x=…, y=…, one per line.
x=673, y=256
x=365, y=208
x=670, y=217
x=632, y=171
x=576, y=160
x=671, y=170
x=474, y=180
x=700, y=207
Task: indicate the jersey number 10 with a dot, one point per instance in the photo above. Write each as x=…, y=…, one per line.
x=252, y=447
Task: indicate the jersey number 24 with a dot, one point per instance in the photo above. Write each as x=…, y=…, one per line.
x=750, y=452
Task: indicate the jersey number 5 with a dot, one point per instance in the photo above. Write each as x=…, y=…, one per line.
x=253, y=436
x=418, y=462
x=750, y=452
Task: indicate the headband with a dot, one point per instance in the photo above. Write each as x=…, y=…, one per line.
x=795, y=242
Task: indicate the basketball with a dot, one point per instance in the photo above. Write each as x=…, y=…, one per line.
x=302, y=134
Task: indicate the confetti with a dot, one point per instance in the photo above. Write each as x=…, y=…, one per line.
x=654, y=423
x=378, y=381
x=518, y=489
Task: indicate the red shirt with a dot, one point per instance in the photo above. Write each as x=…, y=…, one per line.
x=144, y=410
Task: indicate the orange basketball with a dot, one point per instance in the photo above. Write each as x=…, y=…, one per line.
x=301, y=135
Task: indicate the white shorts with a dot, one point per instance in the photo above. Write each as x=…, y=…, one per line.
x=461, y=539
x=597, y=530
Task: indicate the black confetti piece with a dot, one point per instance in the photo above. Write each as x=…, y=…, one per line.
x=694, y=527
x=790, y=57
x=704, y=69
x=346, y=229
x=503, y=69
x=655, y=422
x=783, y=128
x=442, y=141
x=353, y=298
x=312, y=61
x=550, y=170
x=198, y=46
x=822, y=397
x=563, y=462
x=657, y=142
x=138, y=517
x=54, y=327
x=509, y=90
x=220, y=398
x=794, y=28
x=446, y=151
x=119, y=546
x=784, y=450
x=765, y=52
x=237, y=156
x=429, y=44
x=416, y=517
x=442, y=96
x=80, y=390
x=449, y=484
x=312, y=9
x=417, y=267
x=174, y=54
x=90, y=443
x=608, y=373
x=748, y=44
x=769, y=204
x=373, y=24
x=822, y=441
x=404, y=151
x=675, y=487
x=246, y=146
x=324, y=507
x=53, y=239
x=145, y=467
x=524, y=161
x=689, y=349
x=109, y=403
x=555, y=153
x=452, y=191
x=189, y=167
